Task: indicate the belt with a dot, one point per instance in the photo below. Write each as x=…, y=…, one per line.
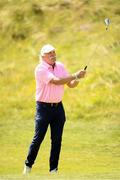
x=49, y=104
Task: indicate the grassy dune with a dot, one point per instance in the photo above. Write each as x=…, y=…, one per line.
x=91, y=140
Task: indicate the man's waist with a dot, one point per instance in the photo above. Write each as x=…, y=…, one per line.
x=49, y=103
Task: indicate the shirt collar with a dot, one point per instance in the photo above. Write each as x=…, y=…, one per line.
x=46, y=64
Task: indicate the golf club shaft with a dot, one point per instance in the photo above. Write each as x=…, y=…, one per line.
x=107, y=22
x=90, y=59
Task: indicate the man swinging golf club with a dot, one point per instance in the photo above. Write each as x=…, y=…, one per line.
x=51, y=76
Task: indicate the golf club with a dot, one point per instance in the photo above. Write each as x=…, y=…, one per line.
x=107, y=23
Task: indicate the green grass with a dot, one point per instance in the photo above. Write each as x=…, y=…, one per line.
x=90, y=148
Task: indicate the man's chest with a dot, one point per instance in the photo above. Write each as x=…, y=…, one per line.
x=57, y=71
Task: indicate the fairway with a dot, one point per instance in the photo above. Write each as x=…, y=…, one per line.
x=91, y=138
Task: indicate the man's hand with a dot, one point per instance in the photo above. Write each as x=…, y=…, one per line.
x=77, y=75
x=80, y=74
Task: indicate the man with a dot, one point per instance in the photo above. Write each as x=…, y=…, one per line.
x=51, y=76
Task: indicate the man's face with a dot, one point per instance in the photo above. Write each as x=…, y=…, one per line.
x=50, y=57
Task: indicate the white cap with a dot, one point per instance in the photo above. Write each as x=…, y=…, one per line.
x=46, y=49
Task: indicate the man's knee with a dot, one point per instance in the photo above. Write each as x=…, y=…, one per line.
x=56, y=141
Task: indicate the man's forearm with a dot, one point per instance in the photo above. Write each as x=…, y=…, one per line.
x=73, y=83
x=61, y=81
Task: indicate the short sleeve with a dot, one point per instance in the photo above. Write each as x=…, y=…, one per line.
x=64, y=71
x=44, y=76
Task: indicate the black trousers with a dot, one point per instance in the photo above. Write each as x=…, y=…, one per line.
x=46, y=114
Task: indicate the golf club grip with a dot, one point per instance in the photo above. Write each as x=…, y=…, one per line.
x=85, y=67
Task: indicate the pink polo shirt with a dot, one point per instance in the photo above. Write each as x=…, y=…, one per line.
x=46, y=91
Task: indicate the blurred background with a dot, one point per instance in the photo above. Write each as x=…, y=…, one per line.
x=91, y=140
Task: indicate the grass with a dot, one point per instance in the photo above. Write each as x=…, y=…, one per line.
x=91, y=136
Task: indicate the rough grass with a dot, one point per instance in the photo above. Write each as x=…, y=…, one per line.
x=91, y=137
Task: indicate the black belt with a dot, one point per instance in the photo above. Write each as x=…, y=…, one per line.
x=49, y=104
